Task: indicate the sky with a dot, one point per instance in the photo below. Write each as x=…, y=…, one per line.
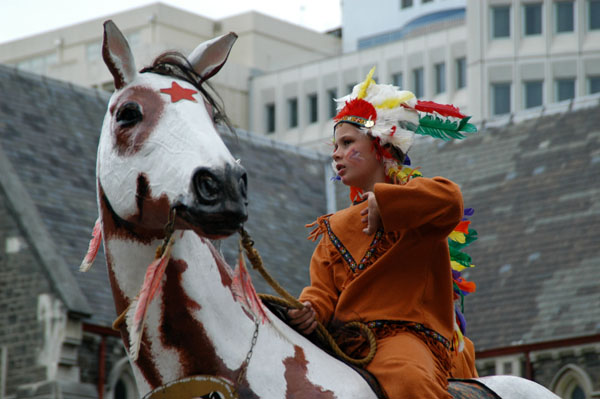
x=22, y=18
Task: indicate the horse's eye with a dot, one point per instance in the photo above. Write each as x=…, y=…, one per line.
x=129, y=114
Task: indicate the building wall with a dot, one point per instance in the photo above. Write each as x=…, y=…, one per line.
x=342, y=72
x=113, y=371
x=520, y=57
x=362, y=19
x=268, y=44
x=560, y=369
x=24, y=294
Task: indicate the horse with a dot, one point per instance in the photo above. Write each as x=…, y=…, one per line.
x=191, y=319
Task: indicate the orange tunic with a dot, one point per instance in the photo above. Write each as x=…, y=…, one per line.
x=402, y=273
x=463, y=363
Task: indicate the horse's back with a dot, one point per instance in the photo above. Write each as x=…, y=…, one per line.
x=511, y=387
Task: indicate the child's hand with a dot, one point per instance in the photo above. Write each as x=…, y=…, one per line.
x=370, y=215
x=303, y=320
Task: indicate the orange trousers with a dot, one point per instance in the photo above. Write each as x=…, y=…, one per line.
x=407, y=368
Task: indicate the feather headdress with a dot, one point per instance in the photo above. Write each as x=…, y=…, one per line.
x=395, y=116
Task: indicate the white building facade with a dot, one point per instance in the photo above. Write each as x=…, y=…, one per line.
x=489, y=57
x=296, y=105
x=526, y=54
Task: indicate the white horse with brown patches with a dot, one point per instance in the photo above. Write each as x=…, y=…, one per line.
x=190, y=315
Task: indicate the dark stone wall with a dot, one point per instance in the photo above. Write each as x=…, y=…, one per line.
x=21, y=282
x=547, y=367
x=89, y=356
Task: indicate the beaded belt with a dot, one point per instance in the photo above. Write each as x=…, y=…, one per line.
x=383, y=328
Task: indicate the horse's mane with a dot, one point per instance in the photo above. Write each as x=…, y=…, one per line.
x=175, y=64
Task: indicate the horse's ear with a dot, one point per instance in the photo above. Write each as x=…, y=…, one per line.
x=117, y=55
x=208, y=58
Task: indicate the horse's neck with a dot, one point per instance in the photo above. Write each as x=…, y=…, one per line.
x=195, y=312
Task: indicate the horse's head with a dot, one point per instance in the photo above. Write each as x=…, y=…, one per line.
x=160, y=150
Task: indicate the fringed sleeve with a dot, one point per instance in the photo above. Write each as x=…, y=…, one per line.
x=323, y=290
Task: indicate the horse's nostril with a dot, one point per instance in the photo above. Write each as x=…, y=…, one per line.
x=243, y=183
x=207, y=186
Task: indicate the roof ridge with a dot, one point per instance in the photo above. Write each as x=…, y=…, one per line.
x=47, y=80
x=38, y=236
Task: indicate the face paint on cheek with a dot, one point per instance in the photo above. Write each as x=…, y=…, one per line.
x=355, y=156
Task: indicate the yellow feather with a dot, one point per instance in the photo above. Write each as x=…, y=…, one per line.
x=395, y=101
x=362, y=93
x=457, y=266
x=457, y=236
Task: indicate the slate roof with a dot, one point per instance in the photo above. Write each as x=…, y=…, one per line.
x=533, y=184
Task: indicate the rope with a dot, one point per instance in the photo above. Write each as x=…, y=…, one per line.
x=289, y=301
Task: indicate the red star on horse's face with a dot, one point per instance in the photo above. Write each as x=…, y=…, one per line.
x=179, y=93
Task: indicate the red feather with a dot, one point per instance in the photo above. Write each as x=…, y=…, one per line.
x=244, y=291
x=463, y=227
x=464, y=285
x=442, y=109
x=139, y=306
x=93, y=248
x=357, y=107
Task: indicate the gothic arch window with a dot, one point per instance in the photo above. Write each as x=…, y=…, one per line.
x=572, y=382
x=121, y=382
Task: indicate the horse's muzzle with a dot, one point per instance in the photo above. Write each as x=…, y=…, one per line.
x=219, y=200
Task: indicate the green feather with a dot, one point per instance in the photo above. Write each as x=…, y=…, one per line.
x=444, y=129
x=469, y=238
x=460, y=257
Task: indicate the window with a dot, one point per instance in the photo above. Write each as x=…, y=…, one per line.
x=121, y=383
x=406, y=3
x=292, y=112
x=461, y=72
x=565, y=89
x=594, y=10
x=331, y=96
x=440, y=78
x=38, y=64
x=577, y=393
x=270, y=116
x=397, y=79
x=109, y=86
x=134, y=38
x=349, y=87
x=500, y=22
x=500, y=98
x=573, y=383
x=120, y=390
x=593, y=84
x=312, y=108
x=93, y=51
x=418, y=82
x=533, y=19
x=564, y=16
x=533, y=93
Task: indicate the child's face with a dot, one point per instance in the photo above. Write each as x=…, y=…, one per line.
x=355, y=159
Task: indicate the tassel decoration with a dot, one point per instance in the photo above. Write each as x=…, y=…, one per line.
x=93, y=247
x=136, y=315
